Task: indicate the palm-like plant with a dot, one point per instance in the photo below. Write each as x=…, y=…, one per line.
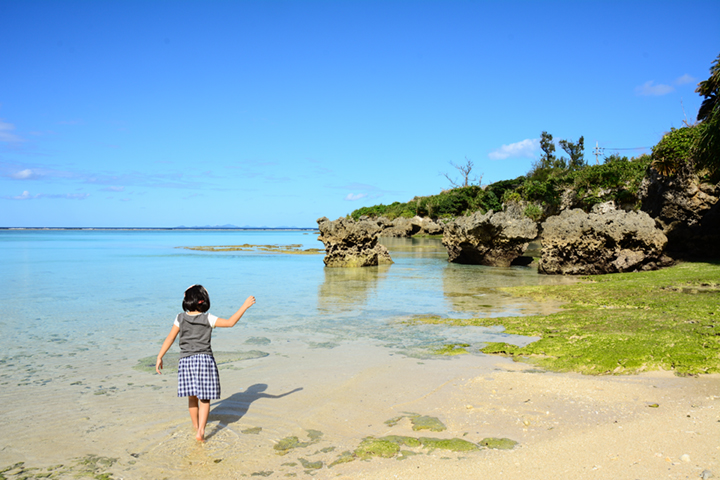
x=708, y=147
x=709, y=89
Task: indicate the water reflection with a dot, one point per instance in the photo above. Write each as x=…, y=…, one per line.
x=345, y=289
x=414, y=247
x=475, y=289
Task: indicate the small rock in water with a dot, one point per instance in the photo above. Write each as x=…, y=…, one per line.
x=706, y=474
x=685, y=457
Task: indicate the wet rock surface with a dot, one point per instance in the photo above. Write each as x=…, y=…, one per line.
x=579, y=243
x=493, y=239
x=352, y=244
x=687, y=211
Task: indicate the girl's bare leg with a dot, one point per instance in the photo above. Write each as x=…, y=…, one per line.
x=203, y=413
x=193, y=407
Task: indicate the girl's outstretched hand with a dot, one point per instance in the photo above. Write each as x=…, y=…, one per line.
x=249, y=302
x=159, y=365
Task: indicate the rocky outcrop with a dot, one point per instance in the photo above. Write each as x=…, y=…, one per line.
x=407, y=227
x=493, y=239
x=687, y=211
x=579, y=243
x=352, y=244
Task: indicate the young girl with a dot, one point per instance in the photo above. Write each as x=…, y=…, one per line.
x=198, y=377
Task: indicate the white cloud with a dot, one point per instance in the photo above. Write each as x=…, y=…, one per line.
x=113, y=189
x=23, y=174
x=65, y=196
x=6, y=136
x=70, y=196
x=25, y=196
x=353, y=196
x=685, y=79
x=650, y=89
x=525, y=148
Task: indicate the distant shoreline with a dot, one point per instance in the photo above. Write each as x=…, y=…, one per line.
x=278, y=229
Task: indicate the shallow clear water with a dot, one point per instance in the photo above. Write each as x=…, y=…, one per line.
x=81, y=308
x=67, y=291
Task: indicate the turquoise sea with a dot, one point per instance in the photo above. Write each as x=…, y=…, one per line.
x=82, y=307
x=75, y=289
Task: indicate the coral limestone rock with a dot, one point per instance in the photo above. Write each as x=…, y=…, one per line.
x=687, y=211
x=579, y=243
x=352, y=244
x=493, y=239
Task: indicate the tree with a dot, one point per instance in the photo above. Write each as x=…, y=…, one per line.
x=543, y=167
x=708, y=147
x=710, y=89
x=547, y=159
x=576, y=151
x=465, y=171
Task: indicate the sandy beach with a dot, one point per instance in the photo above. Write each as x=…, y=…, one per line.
x=650, y=426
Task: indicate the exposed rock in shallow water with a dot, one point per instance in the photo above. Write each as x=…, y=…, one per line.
x=352, y=244
x=579, y=243
x=687, y=211
x=407, y=227
x=493, y=239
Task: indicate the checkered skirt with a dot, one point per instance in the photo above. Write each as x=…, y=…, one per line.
x=198, y=376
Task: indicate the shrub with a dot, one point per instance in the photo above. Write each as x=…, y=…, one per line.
x=675, y=149
x=534, y=212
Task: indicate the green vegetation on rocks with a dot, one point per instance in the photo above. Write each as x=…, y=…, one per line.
x=621, y=323
x=618, y=179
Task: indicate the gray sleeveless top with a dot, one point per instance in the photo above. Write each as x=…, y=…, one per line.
x=195, y=333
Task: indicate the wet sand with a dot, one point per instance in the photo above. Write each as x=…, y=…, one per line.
x=567, y=425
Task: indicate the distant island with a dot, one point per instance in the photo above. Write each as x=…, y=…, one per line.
x=181, y=227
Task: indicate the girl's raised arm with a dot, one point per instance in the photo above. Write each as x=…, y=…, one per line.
x=165, y=347
x=230, y=322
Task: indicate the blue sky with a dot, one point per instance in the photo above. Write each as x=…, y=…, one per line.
x=275, y=113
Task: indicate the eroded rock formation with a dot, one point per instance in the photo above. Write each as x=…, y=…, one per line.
x=493, y=239
x=579, y=243
x=407, y=227
x=687, y=211
x=352, y=244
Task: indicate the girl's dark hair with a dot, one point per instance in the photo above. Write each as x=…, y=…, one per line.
x=196, y=299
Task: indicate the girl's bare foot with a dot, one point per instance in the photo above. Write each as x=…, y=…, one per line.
x=200, y=436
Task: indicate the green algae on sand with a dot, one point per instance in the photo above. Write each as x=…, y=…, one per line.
x=498, y=443
x=284, y=446
x=620, y=323
x=452, y=349
x=419, y=422
x=251, y=431
x=89, y=466
x=390, y=446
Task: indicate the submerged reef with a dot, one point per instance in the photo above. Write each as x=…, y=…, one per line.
x=295, y=249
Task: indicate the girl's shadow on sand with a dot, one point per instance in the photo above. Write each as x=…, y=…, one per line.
x=233, y=408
